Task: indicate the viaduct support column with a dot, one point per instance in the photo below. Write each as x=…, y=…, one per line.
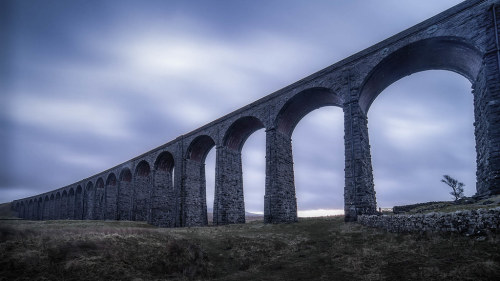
x=280, y=203
x=162, y=200
x=229, y=204
x=194, y=211
x=359, y=192
x=486, y=91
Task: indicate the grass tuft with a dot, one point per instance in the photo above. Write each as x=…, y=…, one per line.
x=312, y=249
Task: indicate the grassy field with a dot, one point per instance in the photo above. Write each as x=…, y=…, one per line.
x=451, y=206
x=312, y=249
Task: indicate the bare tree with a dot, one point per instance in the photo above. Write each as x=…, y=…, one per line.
x=456, y=186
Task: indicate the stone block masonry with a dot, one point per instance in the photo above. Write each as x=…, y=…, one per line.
x=468, y=222
x=166, y=186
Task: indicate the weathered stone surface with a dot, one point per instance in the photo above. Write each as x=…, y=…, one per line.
x=462, y=39
x=280, y=203
x=229, y=206
x=470, y=222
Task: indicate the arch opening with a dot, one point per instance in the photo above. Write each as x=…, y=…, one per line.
x=89, y=201
x=318, y=157
x=79, y=203
x=164, y=162
x=240, y=130
x=71, y=203
x=110, y=197
x=64, y=205
x=111, y=180
x=163, y=197
x=199, y=148
x=124, y=203
x=141, y=200
x=99, y=199
x=301, y=104
x=142, y=169
x=126, y=175
x=439, y=53
x=200, y=151
x=229, y=202
x=417, y=135
x=46, y=208
x=253, y=155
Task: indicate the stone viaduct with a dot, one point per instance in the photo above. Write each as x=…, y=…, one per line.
x=463, y=39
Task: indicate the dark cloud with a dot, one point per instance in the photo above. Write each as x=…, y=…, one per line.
x=88, y=80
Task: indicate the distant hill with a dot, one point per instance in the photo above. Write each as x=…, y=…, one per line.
x=6, y=212
x=248, y=216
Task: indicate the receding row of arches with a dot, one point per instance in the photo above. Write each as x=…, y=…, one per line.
x=151, y=193
x=118, y=196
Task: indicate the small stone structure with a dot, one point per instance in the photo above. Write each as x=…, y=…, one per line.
x=166, y=186
x=468, y=222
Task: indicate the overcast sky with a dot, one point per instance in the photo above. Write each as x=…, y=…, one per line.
x=87, y=85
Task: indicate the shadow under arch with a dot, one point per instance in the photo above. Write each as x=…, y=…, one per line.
x=110, y=197
x=124, y=200
x=229, y=203
x=438, y=53
x=142, y=182
x=194, y=212
x=240, y=130
x=89, y=201
x=303, y=103
x=199, y=148
x=71, y=203
x=162, y=194
x=79, y=202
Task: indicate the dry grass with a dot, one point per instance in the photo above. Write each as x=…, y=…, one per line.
x=448, y=207
x=312, y=249
x=6, y=212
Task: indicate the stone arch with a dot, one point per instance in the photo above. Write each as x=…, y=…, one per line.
x=439, y=53
x=39, y=208
x=30, y=210
x=163, y=197
x=46, y=208
x=229, y=203
x=57, y=206
x=280, y=177
x=142, y=182
x=124, y=202
x=64, y=205
x=89, y=201
x=111, y=195
x=99, y=199
x=79, y=202
x=71, y=203
x=199, y=148
x=240, y=130
x=301, y=104
x=52, y=207
x=195, y=203
x=20, y=209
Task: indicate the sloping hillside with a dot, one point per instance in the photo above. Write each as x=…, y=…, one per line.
x=312, y=249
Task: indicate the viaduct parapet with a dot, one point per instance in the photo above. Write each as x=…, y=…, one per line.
x=463, y=39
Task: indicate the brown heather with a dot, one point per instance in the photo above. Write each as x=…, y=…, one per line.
x=312, y=249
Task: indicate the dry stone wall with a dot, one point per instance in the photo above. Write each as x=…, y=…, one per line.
x=468, y=222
